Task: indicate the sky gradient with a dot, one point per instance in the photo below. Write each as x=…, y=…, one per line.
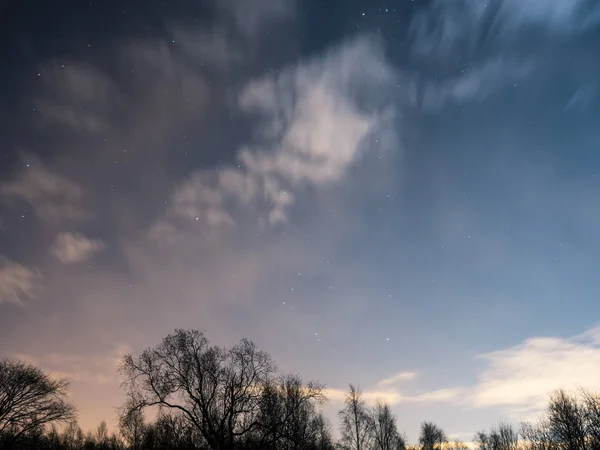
x=402, y=195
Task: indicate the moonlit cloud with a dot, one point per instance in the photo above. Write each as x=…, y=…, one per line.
x=312, y=128
x=520, y=378
x=376, y=201
x=75, y=247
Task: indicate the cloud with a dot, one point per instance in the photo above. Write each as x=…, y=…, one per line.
x=315, y=119
x=449, y=25
x=101, y=369
x=17, y=283
x=77, y=96
x=399, y=377
x=394, y=396
x=477, y=82
x=520, y=378
x=582, y=98
x=251, y=15
x=54, y=198
x=75, y=247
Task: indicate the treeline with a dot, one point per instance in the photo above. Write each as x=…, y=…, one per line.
x=207, y=397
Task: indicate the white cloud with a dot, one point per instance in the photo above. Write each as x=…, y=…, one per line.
x=53, y=197
x=315, y=121
x=520, y=378
x=397, y=378
x=394, y=396
x=75, y=247
x=17, y=283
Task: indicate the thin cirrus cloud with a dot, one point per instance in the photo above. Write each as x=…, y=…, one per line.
x=484, y=34
x=447, y=25
x=18, y=283
x=75, y=247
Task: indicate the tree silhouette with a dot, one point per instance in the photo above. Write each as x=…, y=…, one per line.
x=356, y=422
x=385, y=431
x=218, y=390
x=432, y=437
x=30, y=399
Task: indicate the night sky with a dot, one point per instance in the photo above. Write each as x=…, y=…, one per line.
x=403, y=195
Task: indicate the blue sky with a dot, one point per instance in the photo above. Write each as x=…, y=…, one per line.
x=400, y=195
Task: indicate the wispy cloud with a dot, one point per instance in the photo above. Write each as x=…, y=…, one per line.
x=398, y=378
x=449, y=25
x=312, y=127
x=386, y=392
x=17, y=282
x=77, y=96
x=53, y=197
x=75, y=247
x=477, y=82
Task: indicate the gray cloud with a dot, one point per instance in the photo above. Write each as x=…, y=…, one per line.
x=53, y=197
x=17, y=282
x=77, y=96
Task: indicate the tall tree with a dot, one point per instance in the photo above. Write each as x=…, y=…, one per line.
x=287, y=411
x=432, y=437
x=131, y=426
x=356, y=422
x=217, y=390
x=30, y=399
x=385, y=431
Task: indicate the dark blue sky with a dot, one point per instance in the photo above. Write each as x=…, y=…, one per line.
x=402, y=195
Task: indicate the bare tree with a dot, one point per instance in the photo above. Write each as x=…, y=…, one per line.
x=131, y=426
x=356, y=422
x=504, y=437
x=320, y=434
x=72, y=436
x=538, y=436
x=432, y=437
x=385, y=431
x=217, y=390
x=567, y=422
x=102, y=434
x=30, y=399
x=287, y=412
x=591, y=413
